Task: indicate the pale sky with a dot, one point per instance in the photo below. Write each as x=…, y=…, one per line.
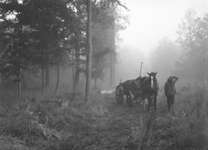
x=151, y=20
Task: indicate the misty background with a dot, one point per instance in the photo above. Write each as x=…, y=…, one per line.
x=168, y=37
x=164, y=54
x=165, y=37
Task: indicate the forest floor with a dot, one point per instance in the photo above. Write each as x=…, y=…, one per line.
x=59, y=123
x=130, y=122
x=99, y=125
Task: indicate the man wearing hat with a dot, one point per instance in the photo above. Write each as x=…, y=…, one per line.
x=170, y=91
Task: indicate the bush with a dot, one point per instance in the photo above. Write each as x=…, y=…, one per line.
x=57, y=123
x=23, y=123
x=185, y=130
x=11, y=143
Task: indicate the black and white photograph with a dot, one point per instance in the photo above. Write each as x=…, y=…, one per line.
x=103, y=74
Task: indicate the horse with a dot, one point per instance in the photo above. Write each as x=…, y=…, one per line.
x=150, y=89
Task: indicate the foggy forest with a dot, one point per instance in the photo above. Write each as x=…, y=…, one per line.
x=71, y=81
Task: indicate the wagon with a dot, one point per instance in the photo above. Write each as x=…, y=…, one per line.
x=131, y=89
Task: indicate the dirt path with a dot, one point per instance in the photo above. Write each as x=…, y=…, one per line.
x=132, y=122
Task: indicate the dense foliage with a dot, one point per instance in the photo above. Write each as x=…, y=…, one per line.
x=193, y=37
x=186, y=57
x=47, y=33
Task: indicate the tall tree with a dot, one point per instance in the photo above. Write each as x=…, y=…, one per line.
x=43, y=25
x=204, y=44
x=192, y=37
x=104, y=14
x=51, y=30
x=89, y=52
x=78, y=41
x=164, y=57
x=107, y=21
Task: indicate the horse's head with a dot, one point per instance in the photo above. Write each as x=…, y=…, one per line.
x=153, y=81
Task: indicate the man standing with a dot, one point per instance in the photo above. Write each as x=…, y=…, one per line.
x=170, y=91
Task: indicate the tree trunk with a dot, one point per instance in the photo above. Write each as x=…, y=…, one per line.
x=57, y=81
x=76, y=69
x=6, y=48
x=89, y=52
x=47, y=76
x=10, y=42
x=76, y=80
x=2, y=78
x=95, y=84
x=23, y=79
x=112, y=69
x=42, y=76
x=73, y=70
x=112, y=60
x=19, y=82
x=76, y=66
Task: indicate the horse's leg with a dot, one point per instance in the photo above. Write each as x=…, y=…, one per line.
x=155, y=101
x=149, y=102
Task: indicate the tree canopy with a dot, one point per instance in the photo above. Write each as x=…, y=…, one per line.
x=50, y=32
x=192, y=37
x=164, y=57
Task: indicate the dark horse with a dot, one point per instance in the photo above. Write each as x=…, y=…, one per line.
x=150, y=89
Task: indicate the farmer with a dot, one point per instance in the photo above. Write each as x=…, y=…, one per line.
x=170, y=91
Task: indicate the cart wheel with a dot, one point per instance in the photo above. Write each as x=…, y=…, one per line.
x=129, y=98
x=119, y=94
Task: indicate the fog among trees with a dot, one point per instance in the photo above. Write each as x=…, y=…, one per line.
x=185, y=57
x=43, y=43
x=50, y=49
x=61, y=60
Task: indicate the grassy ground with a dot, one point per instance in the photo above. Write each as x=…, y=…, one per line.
x=184, y=129
x=57, y=123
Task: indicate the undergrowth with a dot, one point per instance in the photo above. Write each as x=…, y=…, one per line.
x=61, y=123
x=186, y=128
x=64, y=122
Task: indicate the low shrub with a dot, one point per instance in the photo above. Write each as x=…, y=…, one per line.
x=12, y=143
x=59, y=123
x=184, y=130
